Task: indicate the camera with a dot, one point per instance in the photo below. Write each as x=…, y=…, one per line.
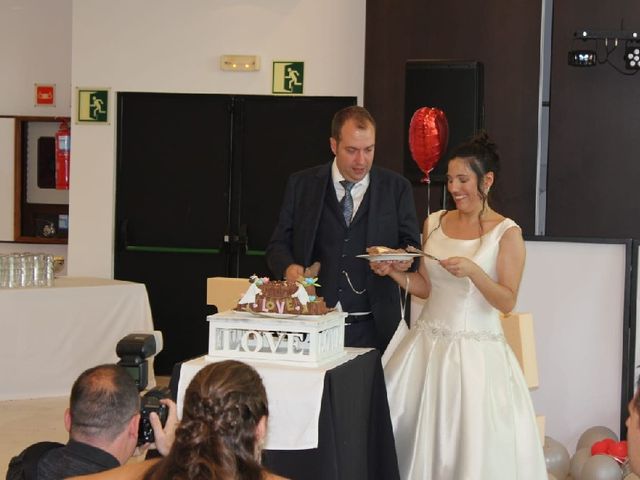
x=133, y=351
x=150, y=402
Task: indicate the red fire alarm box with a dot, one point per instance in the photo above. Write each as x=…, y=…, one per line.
x=45, y=95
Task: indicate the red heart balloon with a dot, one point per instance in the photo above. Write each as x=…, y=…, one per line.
x=428, y=138
x=618, y=450
x=601, y=447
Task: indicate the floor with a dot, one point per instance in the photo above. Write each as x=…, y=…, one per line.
x=23, y=422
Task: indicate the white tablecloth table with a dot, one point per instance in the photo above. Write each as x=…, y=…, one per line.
x=50, y=335
x=352, y=432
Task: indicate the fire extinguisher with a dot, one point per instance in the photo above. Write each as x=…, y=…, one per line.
x=63, y=145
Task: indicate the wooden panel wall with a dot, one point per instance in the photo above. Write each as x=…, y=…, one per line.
x=594, y=146
x=505, y=36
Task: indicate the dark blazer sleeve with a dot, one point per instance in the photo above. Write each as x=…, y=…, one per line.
x=392, y=223
x=392, y=214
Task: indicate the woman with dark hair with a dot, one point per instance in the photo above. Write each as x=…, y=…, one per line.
x=223, y=427
x=220, y=435
x=459, y=404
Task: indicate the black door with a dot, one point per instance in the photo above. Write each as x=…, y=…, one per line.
x=200, y=179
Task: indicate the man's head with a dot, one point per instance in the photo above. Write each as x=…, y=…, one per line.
x=104, y=410
x=353, y=140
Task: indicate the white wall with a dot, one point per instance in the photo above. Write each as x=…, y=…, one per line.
x=168, y=46
x=35, y=47
x=576, y=294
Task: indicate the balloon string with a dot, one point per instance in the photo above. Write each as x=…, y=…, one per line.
x=427, y=180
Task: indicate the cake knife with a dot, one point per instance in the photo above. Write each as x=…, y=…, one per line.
x=412, y=249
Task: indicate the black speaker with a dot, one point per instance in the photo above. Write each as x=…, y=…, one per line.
x=456, y=88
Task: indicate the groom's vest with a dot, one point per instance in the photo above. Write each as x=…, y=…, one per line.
x=336, y=248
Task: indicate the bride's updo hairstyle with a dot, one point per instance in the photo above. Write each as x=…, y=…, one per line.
x=481, y=155
x=216, y=438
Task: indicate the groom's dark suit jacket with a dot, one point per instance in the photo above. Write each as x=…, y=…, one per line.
x=391, y=222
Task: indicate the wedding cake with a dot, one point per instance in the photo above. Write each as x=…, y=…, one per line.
x=278, y=321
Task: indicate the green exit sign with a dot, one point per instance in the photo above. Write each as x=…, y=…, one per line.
x=288, y=78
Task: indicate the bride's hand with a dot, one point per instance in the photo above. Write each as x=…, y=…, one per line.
x=402, y=265
x=382, y=268
x=458, y=266
x=387, y=266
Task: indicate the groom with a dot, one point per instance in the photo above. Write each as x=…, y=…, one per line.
x=333, y=212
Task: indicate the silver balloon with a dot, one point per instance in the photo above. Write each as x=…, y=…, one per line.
x=593, y=435
x=556, y=457
x=577, y=462
x=601, y=467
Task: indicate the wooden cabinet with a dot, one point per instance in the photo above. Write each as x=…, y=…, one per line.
x=41, y=212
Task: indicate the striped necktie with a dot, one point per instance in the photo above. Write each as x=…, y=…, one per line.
x=347, y=201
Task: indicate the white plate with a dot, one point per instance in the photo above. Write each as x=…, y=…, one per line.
x=389, y=256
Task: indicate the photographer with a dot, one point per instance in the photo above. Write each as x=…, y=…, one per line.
x=221, y=435
x=102, y=420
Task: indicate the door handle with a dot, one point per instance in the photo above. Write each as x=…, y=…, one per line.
x=123, y=234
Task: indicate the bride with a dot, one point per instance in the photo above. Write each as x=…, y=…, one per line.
x=459, y=404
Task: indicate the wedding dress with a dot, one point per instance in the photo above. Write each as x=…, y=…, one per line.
x=459, y=403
